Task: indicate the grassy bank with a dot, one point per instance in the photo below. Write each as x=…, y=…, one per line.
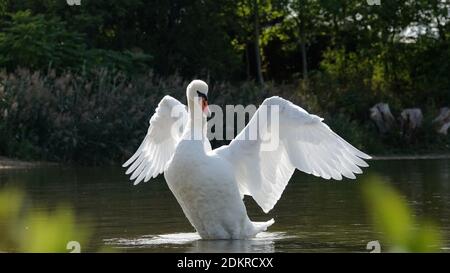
x=100, y=116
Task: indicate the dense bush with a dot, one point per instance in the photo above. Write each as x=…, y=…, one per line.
x=95, y=117
x=101, y=116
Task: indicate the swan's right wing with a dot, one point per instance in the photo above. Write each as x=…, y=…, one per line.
x=157, y=148
x=302, y=141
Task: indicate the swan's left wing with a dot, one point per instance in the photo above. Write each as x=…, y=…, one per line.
x=158, y=146
x=264, y=164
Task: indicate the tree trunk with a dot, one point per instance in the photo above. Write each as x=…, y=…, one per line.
x=440, y=27
x=303, y=49
x=410, y=121
x=258, y=70
x=442, y=122
x=248, y=50
x=381, y=115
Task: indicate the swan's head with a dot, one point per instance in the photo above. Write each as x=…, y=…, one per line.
x=197, y=95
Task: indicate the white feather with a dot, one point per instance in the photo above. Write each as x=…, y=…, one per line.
x=209, y=185
x=306, y=143
x=159, y=144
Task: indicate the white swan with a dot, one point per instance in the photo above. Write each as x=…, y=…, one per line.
x=210, y=184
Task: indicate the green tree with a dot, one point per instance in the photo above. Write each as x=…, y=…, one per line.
x=36, y=42
x=306, y=16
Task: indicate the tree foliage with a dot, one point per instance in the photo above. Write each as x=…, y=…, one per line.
x=340, y=56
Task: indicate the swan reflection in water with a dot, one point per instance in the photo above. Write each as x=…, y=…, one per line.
x=263, y=242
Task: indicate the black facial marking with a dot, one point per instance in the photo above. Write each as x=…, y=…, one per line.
x=201, y=95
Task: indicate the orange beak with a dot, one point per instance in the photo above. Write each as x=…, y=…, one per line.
x=205, y=107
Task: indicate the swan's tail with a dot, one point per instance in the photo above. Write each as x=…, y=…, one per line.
x=262, y=226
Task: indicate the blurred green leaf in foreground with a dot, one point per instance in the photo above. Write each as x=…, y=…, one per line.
x=394, y=219
x=23, y=230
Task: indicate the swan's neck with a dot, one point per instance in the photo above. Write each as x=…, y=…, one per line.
x=196, y=126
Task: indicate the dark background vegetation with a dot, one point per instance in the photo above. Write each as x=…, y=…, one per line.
x=79, y=83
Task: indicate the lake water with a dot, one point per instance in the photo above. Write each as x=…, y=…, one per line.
x=313, y=215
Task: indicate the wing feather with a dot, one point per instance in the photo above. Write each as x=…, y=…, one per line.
x=305, y=143
x=158, y=146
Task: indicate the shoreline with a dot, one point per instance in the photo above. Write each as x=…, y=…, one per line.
x=410, y=157
x=10, y=163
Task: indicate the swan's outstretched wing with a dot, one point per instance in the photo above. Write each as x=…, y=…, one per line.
x=304, y=142
x=158, y=146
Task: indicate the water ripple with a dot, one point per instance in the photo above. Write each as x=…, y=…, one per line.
x=263, y=242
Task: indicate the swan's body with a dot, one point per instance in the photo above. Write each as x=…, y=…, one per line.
x=209, y=199
x=210, y=184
